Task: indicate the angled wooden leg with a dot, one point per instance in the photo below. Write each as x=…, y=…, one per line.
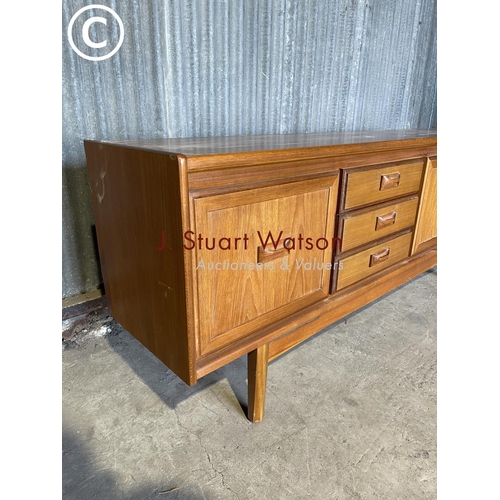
x=257, y=378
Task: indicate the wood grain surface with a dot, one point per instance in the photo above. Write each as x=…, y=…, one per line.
x=364, y=226
x=231, y=194
x=213, y=153
x=363, y=264
x=426, y=225
x=136, y=197
x=365, y=187
x=257, y=379
x=243, y=295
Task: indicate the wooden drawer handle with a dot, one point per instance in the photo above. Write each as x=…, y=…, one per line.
x=270, y=253
x=385, y=220
x=389, y=181
x=377, y=258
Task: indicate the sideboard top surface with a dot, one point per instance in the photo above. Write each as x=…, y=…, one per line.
x=202, y=146
x=219, y=152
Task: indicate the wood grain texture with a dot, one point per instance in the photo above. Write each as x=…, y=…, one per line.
x=426, y=224
x=240, y=296
x=385, y=220
x=369, y=186
x=232, y=175
x=196, y=319
x=363, y=264
x=351, y=299
x=257, y=379
x=135, y=197
x=389, y=181
x=377, y=258
x=314, y=318
x=364, y=226
x=213, y=153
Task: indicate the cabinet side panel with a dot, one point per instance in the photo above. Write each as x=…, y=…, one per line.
x=137, y=209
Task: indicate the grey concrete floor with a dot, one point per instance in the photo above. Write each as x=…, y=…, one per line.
x=350, y=414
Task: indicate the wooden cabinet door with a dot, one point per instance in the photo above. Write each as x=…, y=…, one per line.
x=425, y=233
x=254, y=262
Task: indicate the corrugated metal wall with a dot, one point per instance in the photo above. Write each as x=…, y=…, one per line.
x=220, y=67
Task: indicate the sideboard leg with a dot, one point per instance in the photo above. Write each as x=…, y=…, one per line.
x=257, y=378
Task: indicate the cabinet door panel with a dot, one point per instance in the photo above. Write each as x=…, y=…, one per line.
x=255, y=265
x=425, y=236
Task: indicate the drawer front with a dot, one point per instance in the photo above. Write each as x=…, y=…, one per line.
x=370, y=186
x=244, y=285
x=364, y=264
x=358, y=229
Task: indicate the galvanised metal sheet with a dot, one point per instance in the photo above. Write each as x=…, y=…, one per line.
x=218, y=67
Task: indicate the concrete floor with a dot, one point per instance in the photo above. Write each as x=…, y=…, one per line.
x=350, y=414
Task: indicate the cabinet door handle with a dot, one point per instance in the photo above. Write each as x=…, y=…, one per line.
x=385, y=220
x=270, y=253
x=389, y=181
x=377, y=258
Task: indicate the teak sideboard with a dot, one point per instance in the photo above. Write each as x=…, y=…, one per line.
x=212, y=248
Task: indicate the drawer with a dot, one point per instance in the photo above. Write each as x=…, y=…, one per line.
x=359, y=228
x=372, y=185
x=363, y=264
